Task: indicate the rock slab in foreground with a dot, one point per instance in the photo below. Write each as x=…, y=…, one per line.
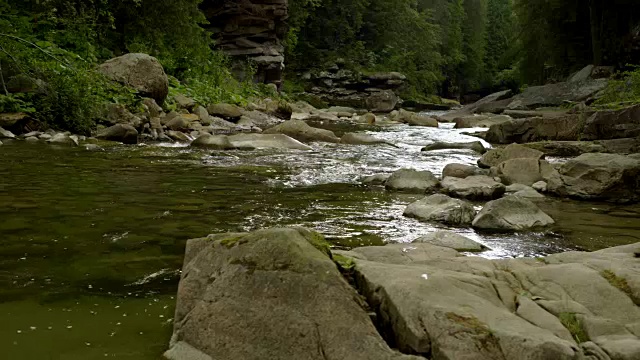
x=270, y=294
x=608, y=177
x=433, y=302
x=511, y=213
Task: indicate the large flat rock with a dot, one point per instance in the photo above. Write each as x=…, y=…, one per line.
x=433, y=302
x=270, y=294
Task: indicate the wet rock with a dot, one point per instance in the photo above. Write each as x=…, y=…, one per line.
x=1, y=143
x=378, y=179
x=495, y=157
x=451, y=240
x=184, y=102
x=566, y=148
x=123, y=133
x=441, y=208
x=477, y=187
x=525, y=171
x=511, y=213
x=270, y=294
x=119, y=114
x=475, y=146
x=410, y=180
x=540, y=186
x=6, y=134
x=613, y=124
x=260, y=119
x=45, y=136
x=220, y=142
x=462, y=171
x=563, y=127
x=31, y=139
x=361, y=139
x=369, y=118
x=256, y=141
x=513, y=188
x=415, y=119
x=93, y=147
x=62, y=139
x=140, y=72
x=225, y=111
x=480, y=121
x=551, y=95
x=472, y=108
x=300, y=131
x=178, y=136
x=382, y=101
x=154, y=109
x=438, y=303
x=528, y=193
x=182, y=122
x=202, y=114
x=608, y=177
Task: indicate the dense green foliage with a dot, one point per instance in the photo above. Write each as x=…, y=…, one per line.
x=55, y=46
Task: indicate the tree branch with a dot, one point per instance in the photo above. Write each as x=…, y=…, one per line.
x=19, y=39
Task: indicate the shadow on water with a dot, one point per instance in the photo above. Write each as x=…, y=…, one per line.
x=91, y=243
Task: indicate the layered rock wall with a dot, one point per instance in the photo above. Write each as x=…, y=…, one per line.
x=250, y=30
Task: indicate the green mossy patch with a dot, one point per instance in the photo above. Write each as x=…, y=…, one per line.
x=574, y=325
x=620, y=283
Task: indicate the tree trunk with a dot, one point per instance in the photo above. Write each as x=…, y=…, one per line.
x=595, y=9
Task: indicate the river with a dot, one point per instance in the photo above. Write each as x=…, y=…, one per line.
x=92, y=242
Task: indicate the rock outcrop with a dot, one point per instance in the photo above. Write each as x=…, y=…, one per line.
x=556, y=94
x=451, y=240
x=497, y=156
x=270, y=294
x=250, y=30
x=342, y=87
x=140, y=72
x=608, y=177
x=433, y=302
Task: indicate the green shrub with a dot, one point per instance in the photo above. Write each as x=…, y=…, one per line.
x=622, y=90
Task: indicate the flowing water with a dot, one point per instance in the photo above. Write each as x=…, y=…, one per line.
x=91, y=243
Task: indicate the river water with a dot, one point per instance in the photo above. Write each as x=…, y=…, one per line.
x=91, y=243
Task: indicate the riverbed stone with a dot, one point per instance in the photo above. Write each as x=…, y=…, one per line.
x=462, y=171
x=141, y=72
x=563, y=127
x=525, y=171
x=476, y=187
x=6, y=134
x=271, y=294
x=410, y=180
x=415, y=119
x=613, y=124
x=181, y=122
x=449, y=239
x=361, y=139
x=62, y=139
x=219, y=142
x=495, y=157
x=226, y=111
x=257, y=141
x=178, y=136
x=480, y=121
x=608, y=177
x=441, y=208
x=301, y=131
x=511, y=213
x=377, y=179
x=476, y=146
x=123, y=133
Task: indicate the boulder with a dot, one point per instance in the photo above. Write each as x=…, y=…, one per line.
x=219, y=142
x=480, y=121
x=433, y=302
x=31, y=139
x=608, y=177
x=471, y=108
x=300, y=131
x=540, y=186
x=184, y=102
x=6, y=134
x=140, y=72
x=257, y=141
x=441, y=208
x=378, y=179
x=93, y=148
x=18, y=123
x=63, y=139
x=226, y=111
x=155, y=110
x=202, y=114
x=511, y=213
x=525, y=171
x=551, y=95
x=1, y=143
x=178, y=136
x=566, y=148
x=382, y=101
x=368, y=118
x=123, y=133
x=613, y=124
x=119, y=114
x=477, y=187
x=462, y=171
x=563, y=127
x=497, y=156
x=361, y=139
x=181, y=122
x=476, y=146
x=410, y=180
x=529, y=193
x=415, y=119
x=270, y=294
x=260, y=119
x=451, y=240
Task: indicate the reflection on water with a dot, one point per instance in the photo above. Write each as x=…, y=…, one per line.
x=91, y=243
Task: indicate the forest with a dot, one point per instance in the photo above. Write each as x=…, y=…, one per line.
x=447, y=48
